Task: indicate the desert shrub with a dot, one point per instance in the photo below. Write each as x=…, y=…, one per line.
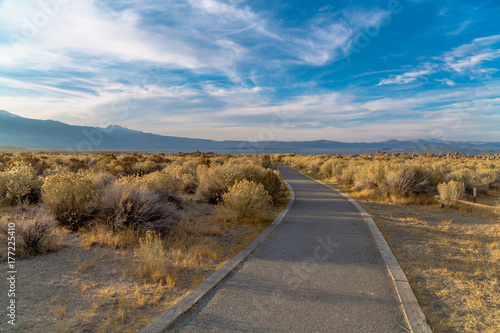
x=20, y=182
x=161, y=183
x=435, y=173
x=484, y=177
x=123, y=206
x=267, y=162
x=153, y=255
x=347, y=175
x=38, y=164
x=251, y=171
x=145, y=167
x=157, y=181
x=332, y=168
x=100, y=180
x=75, y=164
x=185, y=175
x=273, y=183
x=216, y=180
x=70, y=198
x=463, y=175
x=33, y=234
x=369, y=176
x=404, y=183
x=244, y=199
x=448, y=192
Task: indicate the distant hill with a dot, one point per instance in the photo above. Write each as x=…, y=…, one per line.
x=28, y=133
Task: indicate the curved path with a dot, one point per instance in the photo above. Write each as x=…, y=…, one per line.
x=320, y=271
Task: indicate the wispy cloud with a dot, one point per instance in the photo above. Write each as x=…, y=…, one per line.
x=409, y=77
x=227, y=67
x=466, y=59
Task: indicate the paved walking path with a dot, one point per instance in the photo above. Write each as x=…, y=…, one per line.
x=319, y=271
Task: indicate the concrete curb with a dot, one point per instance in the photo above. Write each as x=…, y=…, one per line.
x=413, y=312
x=167, y=318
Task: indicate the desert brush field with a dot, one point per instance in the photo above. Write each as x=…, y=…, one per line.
x=448, y=249
x=106, y=242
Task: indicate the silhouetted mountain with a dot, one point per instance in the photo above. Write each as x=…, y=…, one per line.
x=49, y=134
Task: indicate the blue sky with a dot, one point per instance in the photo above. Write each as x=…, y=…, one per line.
x=257, y=70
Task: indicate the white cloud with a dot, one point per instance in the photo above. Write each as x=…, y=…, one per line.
x=409, y=77
x=466, y=59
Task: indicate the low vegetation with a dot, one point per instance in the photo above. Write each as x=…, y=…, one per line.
x=404, y=178
x=155, y=224
x=243, y=200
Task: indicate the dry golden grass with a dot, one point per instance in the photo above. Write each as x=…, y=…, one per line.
x=451, y=260
x=112, y=290
x=104, y=236
x=103, y=281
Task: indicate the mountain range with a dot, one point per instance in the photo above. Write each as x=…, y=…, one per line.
x=16, y=131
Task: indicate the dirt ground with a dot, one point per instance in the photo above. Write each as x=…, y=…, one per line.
x=451, y=258
x=85, y=287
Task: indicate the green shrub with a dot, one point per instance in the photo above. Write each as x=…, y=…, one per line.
x=448, y=192
x=244, y=199
x=20, y=182
x=70, y=198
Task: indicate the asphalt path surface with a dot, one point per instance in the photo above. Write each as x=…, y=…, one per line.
x=319, y=271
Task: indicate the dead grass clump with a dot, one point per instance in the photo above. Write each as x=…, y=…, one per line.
x=154, y=259
x=123, y=206
x=105, y=236
x=244, y=199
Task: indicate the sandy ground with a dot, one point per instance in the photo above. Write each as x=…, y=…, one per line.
x=451, y=258
x=91, y=289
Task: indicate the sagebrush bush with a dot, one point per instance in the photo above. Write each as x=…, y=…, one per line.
x=20, y=182
x=216, y=180
x=404, y=183
x=185, y=175
x=70, y=198
x=123, y=206
x=33, y=234
x=401, y=175
x=145, y=167
x=159, y=181
x=244, y=199
x=273, y=184
x=448, y=192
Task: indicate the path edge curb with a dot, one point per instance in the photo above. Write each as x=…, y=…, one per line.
x=170, y=316
x=414, y=315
